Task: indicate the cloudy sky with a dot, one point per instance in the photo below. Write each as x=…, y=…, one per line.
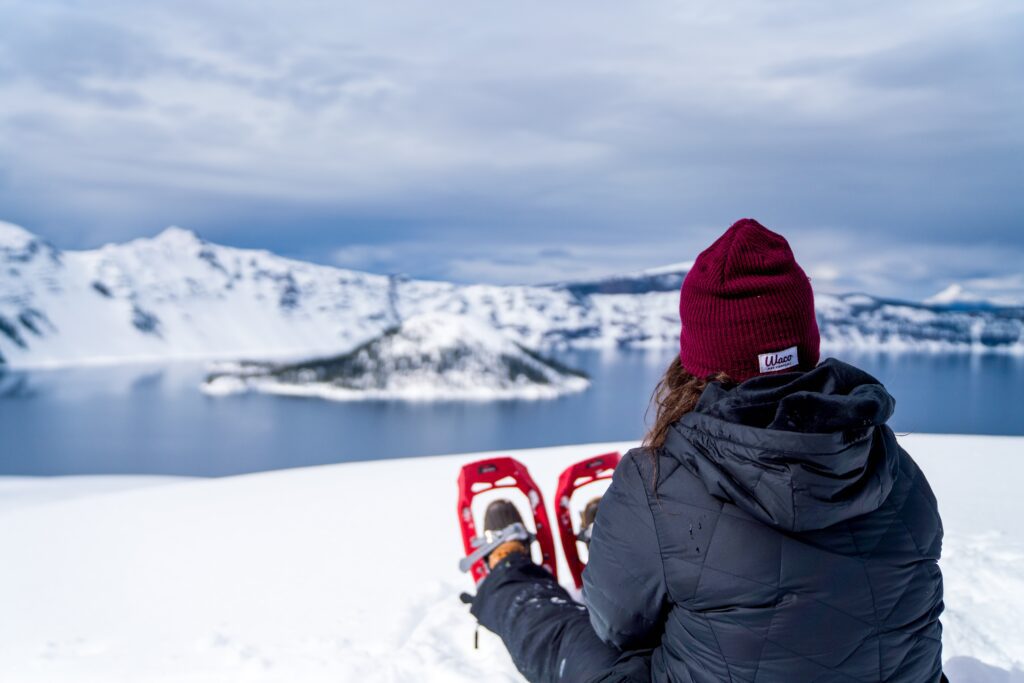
x=527, y=141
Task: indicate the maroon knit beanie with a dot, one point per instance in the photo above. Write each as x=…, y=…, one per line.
x=747, y=308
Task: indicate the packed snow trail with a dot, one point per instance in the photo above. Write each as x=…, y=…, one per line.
x=348, y=572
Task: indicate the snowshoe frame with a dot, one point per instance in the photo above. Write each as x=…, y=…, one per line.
x=574, y=477
x=496, y=473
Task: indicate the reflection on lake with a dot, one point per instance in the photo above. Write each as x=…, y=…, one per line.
x=154, y=420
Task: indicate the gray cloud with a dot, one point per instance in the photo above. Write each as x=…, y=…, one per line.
x=547, y=133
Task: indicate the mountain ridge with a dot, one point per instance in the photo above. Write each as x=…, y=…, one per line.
x=176, y=296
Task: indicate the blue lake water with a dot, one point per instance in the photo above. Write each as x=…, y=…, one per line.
x=154, y=420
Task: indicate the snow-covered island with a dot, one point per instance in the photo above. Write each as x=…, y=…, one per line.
x=176, y=296
x=348, y=572
x=427, y=357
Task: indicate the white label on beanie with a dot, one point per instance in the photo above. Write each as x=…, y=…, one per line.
x=778, y=360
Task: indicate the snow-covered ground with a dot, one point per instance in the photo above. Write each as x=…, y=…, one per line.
x=348, y=572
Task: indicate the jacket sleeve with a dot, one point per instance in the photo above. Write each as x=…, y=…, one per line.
x=624, y=581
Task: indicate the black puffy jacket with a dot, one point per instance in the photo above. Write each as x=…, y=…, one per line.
x=789, y=539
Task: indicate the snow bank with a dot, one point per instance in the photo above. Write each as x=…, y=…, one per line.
x=20, y=492
x=348, y=572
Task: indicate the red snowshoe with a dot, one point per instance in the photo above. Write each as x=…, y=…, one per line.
x=488, y=475
x=572, y=479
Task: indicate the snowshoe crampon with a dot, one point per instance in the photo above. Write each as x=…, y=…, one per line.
x=501, y=473
x=573, y=478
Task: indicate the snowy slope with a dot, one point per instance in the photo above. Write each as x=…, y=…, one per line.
x=176, y=296
x=859, y=321
x=348, y=572
x=427, y=357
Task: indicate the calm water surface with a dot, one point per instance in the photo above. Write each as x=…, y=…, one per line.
x=154, y=420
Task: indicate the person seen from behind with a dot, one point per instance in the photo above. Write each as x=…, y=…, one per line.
x=770, y=529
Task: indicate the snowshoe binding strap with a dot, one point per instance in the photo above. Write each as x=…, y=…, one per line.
x=492, y=539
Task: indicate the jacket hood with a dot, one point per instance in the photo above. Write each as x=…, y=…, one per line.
x=796, y=450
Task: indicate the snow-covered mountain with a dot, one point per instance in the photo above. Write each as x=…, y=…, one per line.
x=428, y=356
x=176, y=296
x=863, y=322
x=1006, y=291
